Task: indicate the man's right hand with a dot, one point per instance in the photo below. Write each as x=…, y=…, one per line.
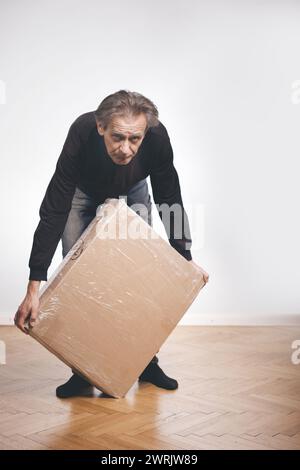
x=29, y=308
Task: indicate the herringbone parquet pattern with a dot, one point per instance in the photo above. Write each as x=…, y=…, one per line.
x=238, y=389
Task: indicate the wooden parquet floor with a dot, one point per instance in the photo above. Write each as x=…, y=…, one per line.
x=238, y=389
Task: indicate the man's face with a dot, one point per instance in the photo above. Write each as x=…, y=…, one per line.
x=123, y=137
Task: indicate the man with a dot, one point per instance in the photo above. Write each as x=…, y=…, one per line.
x=107, y=153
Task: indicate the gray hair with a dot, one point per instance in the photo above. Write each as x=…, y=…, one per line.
x=126, y=103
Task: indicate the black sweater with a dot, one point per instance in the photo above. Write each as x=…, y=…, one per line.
x=85, y=163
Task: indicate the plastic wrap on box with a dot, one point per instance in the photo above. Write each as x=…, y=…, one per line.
x=114, y=299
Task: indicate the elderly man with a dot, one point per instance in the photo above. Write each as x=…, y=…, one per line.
x=108, y=153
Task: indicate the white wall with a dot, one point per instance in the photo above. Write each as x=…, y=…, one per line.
x=222, y=75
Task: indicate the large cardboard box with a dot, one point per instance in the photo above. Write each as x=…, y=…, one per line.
x=114, y=299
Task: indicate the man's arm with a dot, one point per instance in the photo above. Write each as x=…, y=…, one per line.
x=167, y=194
x=55, y=207
x=166, y=190
x=54, y=212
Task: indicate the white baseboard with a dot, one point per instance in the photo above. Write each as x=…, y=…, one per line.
x=241, y=320
x=6, y=319
x=217, y=319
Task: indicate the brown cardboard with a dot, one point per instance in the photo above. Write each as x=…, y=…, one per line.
x=114, y=299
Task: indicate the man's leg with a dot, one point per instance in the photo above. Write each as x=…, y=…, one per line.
x=82, y=212
x=139, y=199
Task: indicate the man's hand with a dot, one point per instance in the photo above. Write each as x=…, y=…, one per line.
x=29, y=308
x=204, y=273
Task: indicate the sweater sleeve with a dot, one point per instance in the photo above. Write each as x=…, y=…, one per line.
x=55, y=207
x=167, y=196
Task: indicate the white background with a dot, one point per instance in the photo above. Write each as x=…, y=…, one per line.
x=222, y=75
